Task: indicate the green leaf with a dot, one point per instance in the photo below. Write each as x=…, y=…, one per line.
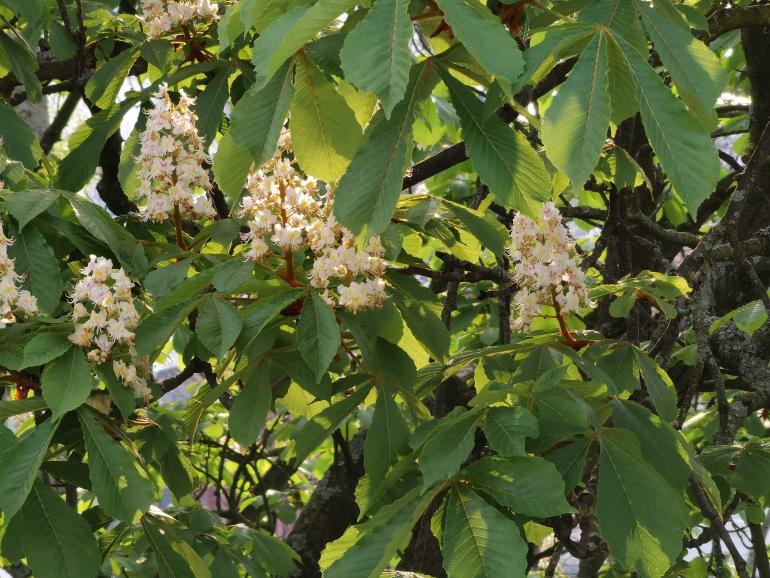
x=71, y=472
x=660, y=444
x=484, y=36
x=210, y=105
x=35, y=260
x=273, y=554
x=447, y=447
x=620, y=16
x=502, y=156
x=18, y=138
x=696, y=70
x=170, y=563
x=289, y=33
x=659, y=386
x=24, y=65
x=86, y=144
x=44, y=347
x=386, y=438
x=257, y=315
x=364, y=550
x=752, y=471
x=682, y=145
x=487, y=230
x=30, y=10
x=621, y=306
x=257, y=14
x=478, y=541
x=19, y=466
x=193, y=287
x=750, y=317
x=375, y=56
x=421, y=312
x=259, y=116
x=322, y=425
x=575, y=124
x=525, y=484
x=506, y=428
x=367, y=193
x=67, y=382
x=641, y=517
x=177, y=472
x=230, y=26
x=12, y=407
x=158, y=53
x=325, y=132
x=247, y=416
x=318, y=335
x=26, y=205
x=231, y=167
x=102, y=88
x=218, y=325
x=570, y=460
x=161, y=281
x=156, y=329
x=117, y=482
x=233, y=275
x=58, y=543
x=102, y=226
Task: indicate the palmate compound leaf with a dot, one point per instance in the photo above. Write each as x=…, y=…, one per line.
x=506, y=163
x=683, y=147
x=575, y=124
x=478, y=541
x=325, y=132
x=641, y=516
x=375, y=56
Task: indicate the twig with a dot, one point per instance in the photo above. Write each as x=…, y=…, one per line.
x=716, y=522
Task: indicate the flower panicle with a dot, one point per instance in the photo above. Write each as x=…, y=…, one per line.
x=161, y=17
x=171, y=172
x=286, y=209
x=13, y=299
x=545, y=267
x=104, y=320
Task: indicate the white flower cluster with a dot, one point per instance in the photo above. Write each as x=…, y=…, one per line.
x=358, y=271
x=171, y=169
x=11, y=297
x=104, y=317
x=164, y=16
x=286, y=209
x=545, y=266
